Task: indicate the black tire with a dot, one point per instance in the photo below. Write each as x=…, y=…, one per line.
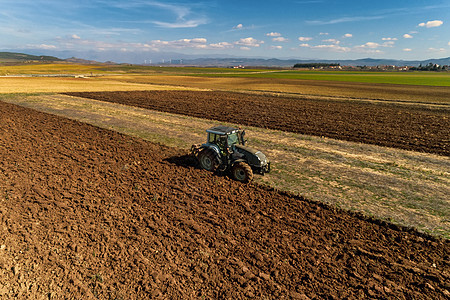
x=242, y=172
x=209, y=160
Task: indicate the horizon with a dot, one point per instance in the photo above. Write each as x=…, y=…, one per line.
x=137, y=30
x=226, y=56
x=229, y=57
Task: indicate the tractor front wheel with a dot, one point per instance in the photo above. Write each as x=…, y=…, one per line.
x=242, y=172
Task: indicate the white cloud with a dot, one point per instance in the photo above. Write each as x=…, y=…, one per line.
x=373, y=45
x=181, y=23
x=430, y=24
x=76, y=37
x=198, y=43
x=238, y=26
x=345, y=20
x=324, y=33
x=199, y=40
x=221, y=45
x=179, y=10
x=334, y=48
x=407, y=49
x=280, y=39
x=304, y=38
x=389, y=39
x=182, y=12
x=273, y=34
x=368, y=51
x=348, y=35
x=154, y=45
x=448, y=43
x=276, y=47
x=115, y=31
x=407, y=36
x=249, y=42
x=43, y=46
x=245, y=48
x=388, y=44
x=369, y=45
x=334, y=41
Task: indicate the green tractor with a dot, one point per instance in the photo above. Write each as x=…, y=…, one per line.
x=225, y=150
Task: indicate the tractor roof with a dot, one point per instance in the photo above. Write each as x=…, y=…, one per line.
x=222, y=130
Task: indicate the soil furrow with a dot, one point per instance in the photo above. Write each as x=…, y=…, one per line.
x=91, y=213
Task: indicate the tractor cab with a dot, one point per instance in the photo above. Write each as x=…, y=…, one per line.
x=225, y=137
x=225, y=149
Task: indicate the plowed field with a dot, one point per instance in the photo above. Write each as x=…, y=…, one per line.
x=89, y=213
x=399, y=126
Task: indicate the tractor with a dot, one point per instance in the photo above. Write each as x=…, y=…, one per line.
x=225, y=150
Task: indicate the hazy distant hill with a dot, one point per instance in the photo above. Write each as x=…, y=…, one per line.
x=21, y=57
x=81, y=61
x=173, y=59
x=291, y=62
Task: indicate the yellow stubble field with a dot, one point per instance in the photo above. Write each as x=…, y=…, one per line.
x=29, y=85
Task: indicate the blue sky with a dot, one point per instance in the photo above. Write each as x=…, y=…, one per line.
x=317, y=29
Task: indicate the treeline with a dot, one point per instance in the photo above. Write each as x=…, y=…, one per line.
x=430, y=67
x=315, y=65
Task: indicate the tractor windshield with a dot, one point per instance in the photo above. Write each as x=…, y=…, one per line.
x=233, y=139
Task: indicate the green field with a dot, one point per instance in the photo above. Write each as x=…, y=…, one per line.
x=408, y=78
x=394, y=77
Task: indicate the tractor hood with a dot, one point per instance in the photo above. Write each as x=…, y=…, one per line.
x=255, y=157
x=246, y=148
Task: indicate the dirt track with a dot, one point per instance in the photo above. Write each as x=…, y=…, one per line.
x=89, y=213
x=410, y=128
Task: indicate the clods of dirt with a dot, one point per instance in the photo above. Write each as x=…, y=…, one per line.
x=87, y=213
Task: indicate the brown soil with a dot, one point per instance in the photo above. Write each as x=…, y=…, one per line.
x=90, y=213
x=400, y=126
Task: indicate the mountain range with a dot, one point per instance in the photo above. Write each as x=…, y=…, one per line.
x=273, y=62
x=203, y=60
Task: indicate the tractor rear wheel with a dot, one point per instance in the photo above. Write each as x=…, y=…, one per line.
x=242, y=172
x=209, y=160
